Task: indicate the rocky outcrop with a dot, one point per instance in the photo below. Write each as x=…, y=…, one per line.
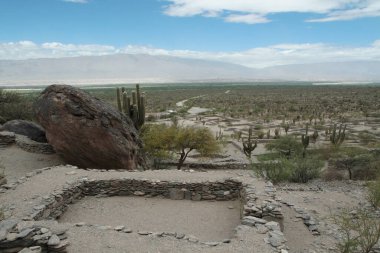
x=26, y=128
x=86, y=131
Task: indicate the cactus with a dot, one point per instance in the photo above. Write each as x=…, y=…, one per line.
x=305, y=141
x=315, y=136
x=249, y=145
x=286, y=127
x=276, y=133
x=337, y=138
x=219, y=135
x=135, y=110
x=268, y=134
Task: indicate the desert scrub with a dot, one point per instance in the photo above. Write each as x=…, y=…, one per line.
x=285, y=145
x=359, y=229
x=305, y=169
x=298, y=169
x=15, y=106
x=276, y=171
x=373, y=195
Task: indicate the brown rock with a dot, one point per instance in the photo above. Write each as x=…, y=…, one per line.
x=87, y=131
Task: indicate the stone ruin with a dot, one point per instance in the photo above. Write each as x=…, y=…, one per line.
x=14, y=236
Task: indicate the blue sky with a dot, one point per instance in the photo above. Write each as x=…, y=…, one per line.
x=211, y=29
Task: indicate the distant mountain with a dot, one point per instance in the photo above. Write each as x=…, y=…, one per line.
x=329, y=71
x=123, y=68
x=117, y=69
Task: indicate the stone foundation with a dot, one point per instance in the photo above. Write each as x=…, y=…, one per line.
x=55, y=204
x=253, y=214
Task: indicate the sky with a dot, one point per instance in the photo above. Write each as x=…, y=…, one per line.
x=253, y=33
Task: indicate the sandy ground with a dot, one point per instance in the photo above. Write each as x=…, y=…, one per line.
x=209, y=221
x=18, y=163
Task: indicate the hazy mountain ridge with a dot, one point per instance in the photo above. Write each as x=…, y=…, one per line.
x=147, y=68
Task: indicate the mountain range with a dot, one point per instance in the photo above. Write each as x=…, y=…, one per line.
x=124, y=68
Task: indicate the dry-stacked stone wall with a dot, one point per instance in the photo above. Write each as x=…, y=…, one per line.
x=38, y=239
x=16, y=237
x=54, y=205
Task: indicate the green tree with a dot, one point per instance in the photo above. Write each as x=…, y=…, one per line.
x=164, y=141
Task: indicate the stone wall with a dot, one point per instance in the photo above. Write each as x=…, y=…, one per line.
x=54, y=205
x=18, y=237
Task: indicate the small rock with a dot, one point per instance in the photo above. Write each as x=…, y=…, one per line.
x=192, y=239
x=80, y=224
x=143, y=233
x=211, y=244
x=180, y=236
x=272, y=225
x=127, y=230
x=11, y=237
x=261, y=229
x=25, y=232
x=44, y=230
x=36, y=249
x=25, y=250
x=119, y=228
x=3, y=234
x=54, y=240
x=139, y=193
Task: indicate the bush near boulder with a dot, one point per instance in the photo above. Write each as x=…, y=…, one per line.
x=165, y=141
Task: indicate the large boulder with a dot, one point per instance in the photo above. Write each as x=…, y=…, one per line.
x=26, y=128
x=88, y=132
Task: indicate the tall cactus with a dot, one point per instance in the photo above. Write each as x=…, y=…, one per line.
x=305, y=141
x=249, y=145
x=337, y=138
x=134, y=110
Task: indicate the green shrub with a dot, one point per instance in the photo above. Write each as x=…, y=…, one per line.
x=286, y=145
x=360, y=230
x=276, y=170
x=299, y=170
x=15, y=106
x=305, y=169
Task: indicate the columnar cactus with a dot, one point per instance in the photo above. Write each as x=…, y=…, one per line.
x=305, y=141
x=219, y=135
x=248, y=144
x=337, y=138
x=134, y=110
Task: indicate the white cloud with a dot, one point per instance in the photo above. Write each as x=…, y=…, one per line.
x=369, y=9
x=255, y=11
x=280, y=54
x=76, y=1
x=246, y=18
